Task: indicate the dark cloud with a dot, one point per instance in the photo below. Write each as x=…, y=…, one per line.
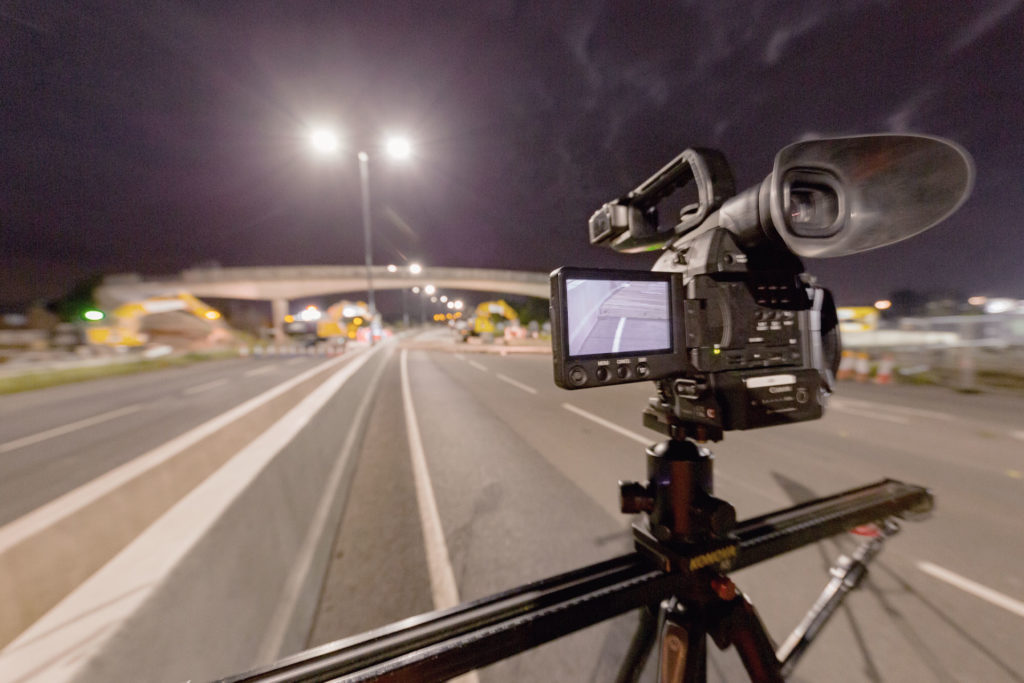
x=150, y=136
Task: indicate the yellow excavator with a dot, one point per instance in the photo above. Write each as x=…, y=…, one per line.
x=123, y=327
x=343, y=320
x=485, y=317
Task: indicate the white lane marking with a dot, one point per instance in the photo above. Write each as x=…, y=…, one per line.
x=52, y=648
x=260, y=371
x=200, y=388
x=975, y=589
x=647, y=441
x=69, y=503
x=293, y=361
x=478, y=366
x=439, y=566
x=618, y=335
x=64, y=429
x=639, y=438
x=889, y=407
x=273, y=640
x=517, y=384
x=860, y=412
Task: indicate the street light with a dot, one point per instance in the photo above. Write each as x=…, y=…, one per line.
x=415, y=268
x=325, y=141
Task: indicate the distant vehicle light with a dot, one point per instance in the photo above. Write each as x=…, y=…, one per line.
x=311, y=313
x=415, y=268
x=212, y=315
x=392, y=268
x=93, y=315
x=1000, y=305
x=883, y=304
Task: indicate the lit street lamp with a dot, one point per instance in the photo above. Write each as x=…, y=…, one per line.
x=326, y=142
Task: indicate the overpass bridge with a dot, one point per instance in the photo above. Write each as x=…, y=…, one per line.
x=280, y=284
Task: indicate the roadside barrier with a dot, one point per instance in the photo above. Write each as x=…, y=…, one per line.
x=884, y=374
x=846, y=365
x=863, y=367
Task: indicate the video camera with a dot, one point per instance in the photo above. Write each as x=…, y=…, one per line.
x=732, y=329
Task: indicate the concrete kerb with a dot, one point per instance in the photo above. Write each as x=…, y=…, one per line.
x=47, y=553
x=239, y=541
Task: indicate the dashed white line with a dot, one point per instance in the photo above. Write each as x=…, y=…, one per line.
x=517, y=384
x=647, y=441
x=64, y=429
x=478, y=366
x=260, y=370
x=639, y=438
x=976, y=589
x=200, y=388
x=904, y=410
x=860, y=412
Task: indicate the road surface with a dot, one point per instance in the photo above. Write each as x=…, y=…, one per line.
x=524, y=478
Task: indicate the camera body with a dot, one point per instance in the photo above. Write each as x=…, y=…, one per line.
x=734, y=332
x=733, y=350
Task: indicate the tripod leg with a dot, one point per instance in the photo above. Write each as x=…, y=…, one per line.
x=639, y=647
x=684, y=649
x=737, y=623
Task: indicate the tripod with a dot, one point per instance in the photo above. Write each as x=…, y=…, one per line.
x=686, y=543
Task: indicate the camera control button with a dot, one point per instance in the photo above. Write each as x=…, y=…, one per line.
x=622, y=371
x=802, y=395
x=601, y=373
x=642, y=370
x=578, y=376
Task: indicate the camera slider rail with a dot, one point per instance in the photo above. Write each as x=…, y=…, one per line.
x=443, y=644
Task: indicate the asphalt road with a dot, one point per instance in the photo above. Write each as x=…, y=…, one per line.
x=55, y=439
x=524, y=476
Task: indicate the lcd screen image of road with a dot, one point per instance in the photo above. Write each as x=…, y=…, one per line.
x=617, y=316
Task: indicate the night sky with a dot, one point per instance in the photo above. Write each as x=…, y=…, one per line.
x=154, y=136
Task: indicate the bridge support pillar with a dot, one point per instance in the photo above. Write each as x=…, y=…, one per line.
x=278, y=310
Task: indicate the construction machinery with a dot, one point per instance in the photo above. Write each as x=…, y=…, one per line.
x=486, y=318
x=343, y=320
x=125, y=324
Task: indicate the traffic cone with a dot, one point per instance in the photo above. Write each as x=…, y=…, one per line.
x=884, y=374
x=846, y=365
x=863, y=367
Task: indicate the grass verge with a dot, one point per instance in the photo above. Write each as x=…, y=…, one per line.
x=49, y=378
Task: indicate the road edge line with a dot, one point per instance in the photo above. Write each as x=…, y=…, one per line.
x=443, y=588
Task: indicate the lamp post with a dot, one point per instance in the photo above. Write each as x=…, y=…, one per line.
x=364, y=184
x=326, y=142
